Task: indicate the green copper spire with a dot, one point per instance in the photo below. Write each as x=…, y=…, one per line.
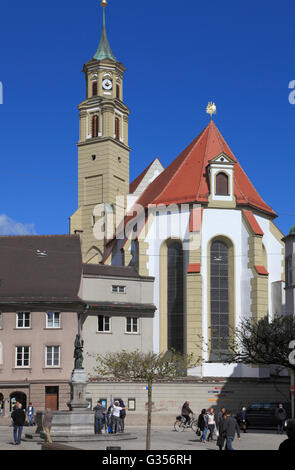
x=104, y=49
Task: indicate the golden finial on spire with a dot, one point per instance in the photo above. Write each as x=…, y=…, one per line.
x=211, y=108
x=104, y=3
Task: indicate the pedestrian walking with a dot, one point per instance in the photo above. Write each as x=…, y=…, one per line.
x=289, y=444
x=122, y=416
x=47, y=422
x=186, y=412
x=30, y=414
x=211, y=424
x=280, y=415
x=230, y=428
x=242, y=419
x=98, y=417
x=219, y=417
x=18, y=418
x=221, y=440
x=203, y=424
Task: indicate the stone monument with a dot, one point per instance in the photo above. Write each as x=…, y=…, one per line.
x=77, y=423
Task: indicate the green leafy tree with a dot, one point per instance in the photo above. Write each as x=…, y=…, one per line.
x=148, y=367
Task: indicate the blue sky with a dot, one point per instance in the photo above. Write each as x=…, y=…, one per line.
x=179, y=56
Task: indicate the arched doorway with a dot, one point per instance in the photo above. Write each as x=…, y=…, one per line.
x=21, y=397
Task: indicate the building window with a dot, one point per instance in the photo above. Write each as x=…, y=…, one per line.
x=94, y=89
x=118, y=91
x=132, y=325
x=221, y=184
x=219, y=297
x=104, y=324
x=1, y=321
x=22, y=356
x=53, y=320
x=52, y=356
x=117, y=128
x=119, y=289
x=289, y=274
x=94, y=126
x=175, y=297
x=23, y=320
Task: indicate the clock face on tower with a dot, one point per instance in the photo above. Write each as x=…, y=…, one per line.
x=107, y=84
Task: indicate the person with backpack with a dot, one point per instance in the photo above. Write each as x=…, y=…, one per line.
x=203, y=424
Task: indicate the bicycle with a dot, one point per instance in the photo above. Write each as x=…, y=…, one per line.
x=181, y=424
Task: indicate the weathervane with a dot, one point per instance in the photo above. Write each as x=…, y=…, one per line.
x=211, y=108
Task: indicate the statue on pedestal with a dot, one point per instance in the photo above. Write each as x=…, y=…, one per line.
x=78, y=353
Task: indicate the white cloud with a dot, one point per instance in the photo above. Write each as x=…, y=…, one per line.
x=9, y=226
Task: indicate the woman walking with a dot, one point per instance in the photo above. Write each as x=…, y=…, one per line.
x=211, y=424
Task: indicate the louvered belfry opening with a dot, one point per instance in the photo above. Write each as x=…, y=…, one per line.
x=95, y=126
x=94, y=89
x=222, y=184
x=117, y=128
x=175, y=297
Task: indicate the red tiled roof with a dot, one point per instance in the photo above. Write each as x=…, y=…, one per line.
x=261, y=270
x=194, y=268
x=253, y=222
x=185, y=179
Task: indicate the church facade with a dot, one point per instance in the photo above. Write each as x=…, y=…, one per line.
x=199, y=227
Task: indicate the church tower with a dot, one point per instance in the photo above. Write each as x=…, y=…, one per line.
x=103, y=151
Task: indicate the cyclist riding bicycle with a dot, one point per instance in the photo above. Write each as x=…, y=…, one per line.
x=186, y=411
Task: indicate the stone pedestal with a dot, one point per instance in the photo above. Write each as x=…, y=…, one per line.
x=78, y=384
x=78, y=423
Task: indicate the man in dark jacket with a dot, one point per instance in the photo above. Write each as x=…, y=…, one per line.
x=186, y=411
x=280, y=415
x=18, y=417
x=230, y=428
x=99, y=415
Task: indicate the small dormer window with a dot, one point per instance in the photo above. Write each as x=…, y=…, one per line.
x=221, y=184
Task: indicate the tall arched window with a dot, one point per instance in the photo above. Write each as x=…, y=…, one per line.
x=95, y=126
x=175, y=298
x=221, y=184
x=219, y=298
x=118, y=91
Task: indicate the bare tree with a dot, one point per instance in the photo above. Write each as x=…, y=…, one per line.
x=262, y=342
x=148, y=367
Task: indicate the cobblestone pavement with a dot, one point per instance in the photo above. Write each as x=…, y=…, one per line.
x=163, y=438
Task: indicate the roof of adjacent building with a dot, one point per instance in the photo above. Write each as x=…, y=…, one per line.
x=112, y=271
x=40, y=268
x=186, y=180
x=135, y=183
